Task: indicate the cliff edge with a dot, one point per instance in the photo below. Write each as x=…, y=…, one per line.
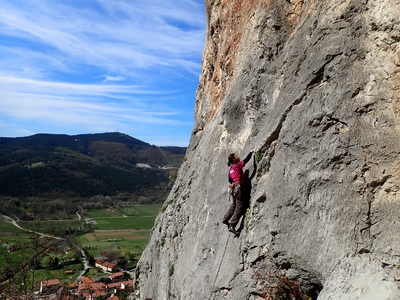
x=313, y=87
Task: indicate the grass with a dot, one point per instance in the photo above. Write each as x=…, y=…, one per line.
x=9, y=236
x=43, y=274
x=131, y=217
x=95, y=248
x=100, y=213
x=14, y=258
x=10, y=233
x=7, y=227
x=127, y=229
x=36, y=276
x=123, y=223
x=52, y=226
x=141, y=210
x=132, y=240
x=94, y=273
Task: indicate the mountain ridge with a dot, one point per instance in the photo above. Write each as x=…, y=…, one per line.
x=84, y=165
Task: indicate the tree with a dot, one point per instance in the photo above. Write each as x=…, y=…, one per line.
x=22, y=259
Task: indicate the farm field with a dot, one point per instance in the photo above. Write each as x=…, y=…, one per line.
x=45, y=274
x=140, y=210
x=125, y=229
x=115, y=223
x=133, y=241
x=130, y=217
x=9, y=231
x=53, y=227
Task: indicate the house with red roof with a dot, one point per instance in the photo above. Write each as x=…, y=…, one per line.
x=49, y=286
x=105, y=265
x=86, y=280
x=119, y=276
x=93, y=290
x=122, y=285
x=87, y=288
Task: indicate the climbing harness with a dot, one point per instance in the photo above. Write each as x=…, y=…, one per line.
x=235, y=189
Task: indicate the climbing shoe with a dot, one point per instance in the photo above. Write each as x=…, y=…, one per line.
x=226, y=222
x=232, y=229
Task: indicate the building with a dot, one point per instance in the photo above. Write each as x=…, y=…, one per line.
x=86, y=280
x=105, y=266
x=92, y=290
x=73, y=288
x=49, y=286
x=119, y=276
x=118, y=286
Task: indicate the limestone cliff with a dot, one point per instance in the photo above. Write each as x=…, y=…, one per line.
x=313, y=86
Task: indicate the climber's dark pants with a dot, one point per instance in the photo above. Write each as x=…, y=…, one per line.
x=236, y=210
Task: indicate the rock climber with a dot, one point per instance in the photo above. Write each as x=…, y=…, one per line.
x=235, y=178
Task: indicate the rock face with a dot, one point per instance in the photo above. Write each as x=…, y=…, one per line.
x=313, y=87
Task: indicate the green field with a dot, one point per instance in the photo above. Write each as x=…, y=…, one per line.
x=10, y=237
x=8, y=230
x=7, y=227
x=100, y=213
x=133, y=241
x=141, y=210
x=44, y=274
x=131, y=217
x=123, y=223
x=53, y=227
x=124, y=229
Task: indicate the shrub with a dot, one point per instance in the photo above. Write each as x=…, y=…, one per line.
x=258, y=156
x=277, y=286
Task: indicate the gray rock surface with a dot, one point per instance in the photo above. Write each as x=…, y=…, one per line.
x=313, y=86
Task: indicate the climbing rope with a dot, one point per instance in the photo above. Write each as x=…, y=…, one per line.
x=219, y=267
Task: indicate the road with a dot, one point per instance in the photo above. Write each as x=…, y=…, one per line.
x=14, y=222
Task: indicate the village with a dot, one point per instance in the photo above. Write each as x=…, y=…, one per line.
x=86, y=288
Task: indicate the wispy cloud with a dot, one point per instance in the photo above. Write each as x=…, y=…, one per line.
x=141, y=33
x=114, y=78
x=100, y=62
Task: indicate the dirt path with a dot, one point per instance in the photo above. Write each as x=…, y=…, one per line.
x=14, y=222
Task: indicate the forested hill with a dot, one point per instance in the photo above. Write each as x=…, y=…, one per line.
x=85, y=165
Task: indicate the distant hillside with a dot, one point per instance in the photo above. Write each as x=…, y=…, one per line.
x=54, y=165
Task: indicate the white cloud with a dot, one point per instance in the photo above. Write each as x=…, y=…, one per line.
x=93, y=107
x=38, y=97
x=114, y=78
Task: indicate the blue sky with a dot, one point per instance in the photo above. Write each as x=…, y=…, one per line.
x=91, y=66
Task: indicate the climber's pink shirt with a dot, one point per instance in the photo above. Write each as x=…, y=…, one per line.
x=236, y=172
